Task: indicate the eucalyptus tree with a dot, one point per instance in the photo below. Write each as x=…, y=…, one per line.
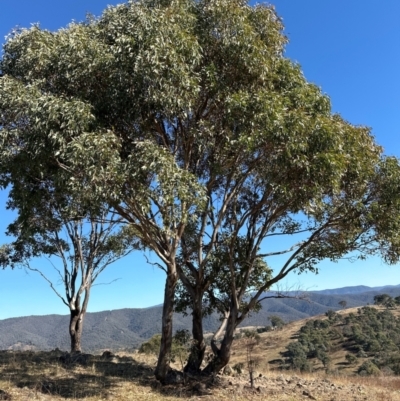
x=79, y=247
x=186, y=118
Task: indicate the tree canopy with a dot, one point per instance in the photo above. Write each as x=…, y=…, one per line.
x=185, y=118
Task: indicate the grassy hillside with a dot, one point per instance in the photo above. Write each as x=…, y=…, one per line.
x=364, y=341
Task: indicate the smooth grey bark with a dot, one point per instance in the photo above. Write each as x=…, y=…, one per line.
x=222, y=354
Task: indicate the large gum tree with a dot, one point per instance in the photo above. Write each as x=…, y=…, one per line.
x=186, y=118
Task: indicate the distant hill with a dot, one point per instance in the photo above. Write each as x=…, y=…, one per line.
x=358, y=289
x=128, y=328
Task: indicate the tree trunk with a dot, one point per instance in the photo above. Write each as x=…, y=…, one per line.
x=198, y=348
x=75, y=330
x=164, y=356
x=223, y=354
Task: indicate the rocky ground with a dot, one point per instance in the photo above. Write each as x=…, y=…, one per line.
x=287, y=387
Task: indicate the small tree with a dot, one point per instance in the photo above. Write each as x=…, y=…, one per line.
x=276, y=322
x=85, y=246
x=385, y=300
x=180, y=346
x=182, y=342
x=343, y=303
x=331, y=315
x=252, y=338
x=297, y=357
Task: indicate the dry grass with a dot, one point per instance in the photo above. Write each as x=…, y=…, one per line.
x=41, y=376
x=27, y=375
x=272, y=344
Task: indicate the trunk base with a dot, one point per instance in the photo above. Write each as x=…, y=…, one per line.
x=193, y=365
x=215, y=366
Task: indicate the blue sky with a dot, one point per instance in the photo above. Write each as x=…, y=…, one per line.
x=350, y=49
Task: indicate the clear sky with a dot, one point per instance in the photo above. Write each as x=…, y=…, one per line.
x=350, y=49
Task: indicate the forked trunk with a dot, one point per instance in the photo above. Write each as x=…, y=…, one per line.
x=164, y=356
x=75, y=330
x=222, y=355
x=198, y=348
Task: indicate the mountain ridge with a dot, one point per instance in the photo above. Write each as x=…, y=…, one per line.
x=127, y=328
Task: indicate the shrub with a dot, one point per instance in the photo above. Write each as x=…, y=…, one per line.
x=264, y=329
x=151, y=346
x=368, y=368
x=276, y=322
x=239, y=367
x=351, y=359
x=331, y=314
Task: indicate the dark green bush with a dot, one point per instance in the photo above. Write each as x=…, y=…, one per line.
x=368, y=368
x=151, y=346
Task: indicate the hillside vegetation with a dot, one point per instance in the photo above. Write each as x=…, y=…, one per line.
x=357, y=341
x=126, y=329
x=370, y=339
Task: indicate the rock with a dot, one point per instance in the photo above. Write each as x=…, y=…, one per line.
x=280, y=379
x=261, y=390
x=307, y=394
x=201, y=389
x=228, y=371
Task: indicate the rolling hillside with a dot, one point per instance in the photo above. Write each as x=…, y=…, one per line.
x=128, y=328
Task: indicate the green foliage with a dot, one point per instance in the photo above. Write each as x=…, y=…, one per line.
x=264, y=329
x=368, y=368
x=180, y=345
x=313, y=342
x=351, y=359
x=297, y=357
x=368, y=334
x=185, y=118
x=386, y=300
x=276, y=322
x=251, y=335
x=332, y=315
x=151, y=346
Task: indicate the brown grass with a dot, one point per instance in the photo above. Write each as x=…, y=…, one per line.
x=27, y=375
x=273, y=344
x=41, y=376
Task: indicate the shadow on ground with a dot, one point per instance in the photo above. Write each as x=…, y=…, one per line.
x=56, y=373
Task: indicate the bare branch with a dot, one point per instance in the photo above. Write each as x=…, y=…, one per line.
x=110, y=282
x=265, y=255
x=155, y=264
x=27, y=266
